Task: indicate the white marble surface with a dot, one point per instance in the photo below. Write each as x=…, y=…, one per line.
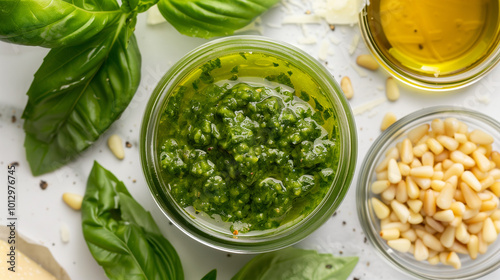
x=42, y=212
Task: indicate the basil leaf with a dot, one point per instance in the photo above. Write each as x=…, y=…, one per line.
x=209, y=18
x=122, y=244
x=293, y=263
x=55, y=23
x=212, y=275
x=76, y=94
x=138, y=5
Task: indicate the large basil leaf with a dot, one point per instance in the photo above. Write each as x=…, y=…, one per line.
x=293, y=263
x=123, y=237
x=76, y=94
x=212, y=275
x=55, y=23
x=209, y=18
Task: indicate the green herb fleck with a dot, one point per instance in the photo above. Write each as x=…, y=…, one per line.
x=235, y=69
x=319, y=107
x=304, y=96
x=207, y=68
x=281, y=78
x=243, y=55
x=275, y=64
x=290, y=73
x=234, y=77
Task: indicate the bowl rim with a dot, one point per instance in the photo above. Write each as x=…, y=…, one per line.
x=347, y=131
x=380, y=145
x=433, y=84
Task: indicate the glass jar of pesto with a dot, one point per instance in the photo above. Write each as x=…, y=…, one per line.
x=248, y=144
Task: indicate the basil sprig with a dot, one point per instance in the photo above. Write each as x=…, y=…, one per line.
x=93, y=70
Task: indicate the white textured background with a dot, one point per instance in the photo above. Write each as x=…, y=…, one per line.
x=42, y=212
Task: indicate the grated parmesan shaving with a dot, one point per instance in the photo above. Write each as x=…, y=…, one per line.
x=354, y=44
x=310, y=40
x=368, y=106
x=323, y=50
x=335, y=39
x=298, y=19
x=339, y=11
x=274, y=25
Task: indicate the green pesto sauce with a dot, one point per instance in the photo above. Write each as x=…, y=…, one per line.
x=246, y=148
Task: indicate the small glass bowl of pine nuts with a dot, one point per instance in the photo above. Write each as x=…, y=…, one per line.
x=428, y=193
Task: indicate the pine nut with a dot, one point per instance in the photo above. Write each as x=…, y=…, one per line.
x=457, y=221
x=421, y=251
x=453, y=180
x=480, y=175
x=495, y=156
x=438, y=167
x=459, y=196
x=455, y=170
x=453, y=260
x=473, y=246
x=462, y=128
x=443, y=256
x=447, y=142
x=423, y=183
x=447, y=163
x=460, y=137
x=434, y=224
x=415, y=163
x=483, y=246
x=73, y=200
x=415, y=205
x=480, y=137
x=406, y=151
x=471, y=180
x=438, y=185
x=433, y=260
x=444, y=216
x=495, y=173
x=417, y=133
x=429, y=203
x=475, y=228
x=367, y=61
x=401, y=211
x=422, y=171
x=483, y=163
x=415, y=218
x=438, y=175
x=467, y=148
x=381, y=175
x=391, y=89
x=461, y=233
x=390, y=233
x=381, y=210
x=412, y=188
x=401, y=244
x=470, y=213
x=401, y=194
x=471, y=198
x=495, y=188
x=388, y=120
x=437, y=126
x=465, y=160
x=457, y=207
x=346, y=86
x=448, y=237
x=432, y=242
x=434, y=146
x=428, y=159
x=495, y=216
x=393, y=173
x=404, y=169
x=442, y=156
x=488, y=206
x=487, y=182
x=423, y=139
x=489, y=231
x=389, y=194
x=420, y=149
x=402, y=227
x=380, y=186
x=410, y=235
x=497, y=226
x=115, y=144
x=450, y=126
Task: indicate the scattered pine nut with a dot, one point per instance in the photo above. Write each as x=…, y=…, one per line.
x=391, y=89
x=439, y=192
x=346, y=86
x=388, y=120
x=367, y=61
x=73, y=200
x=115, y=144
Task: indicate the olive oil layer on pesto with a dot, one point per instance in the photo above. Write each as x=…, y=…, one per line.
x=250, y=154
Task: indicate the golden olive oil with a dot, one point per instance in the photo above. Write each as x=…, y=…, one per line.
x=435, y=37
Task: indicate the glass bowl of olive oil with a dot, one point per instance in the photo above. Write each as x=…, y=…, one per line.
x=433, y=45
x=248, y=144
